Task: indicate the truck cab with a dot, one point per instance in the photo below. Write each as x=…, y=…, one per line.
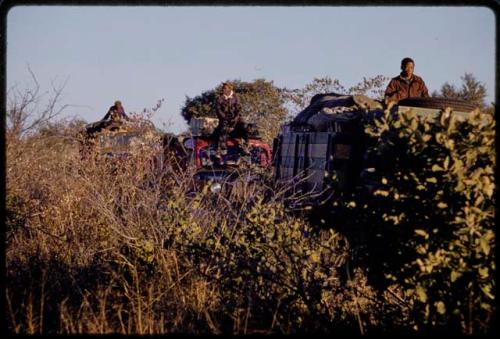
x=200, y=148
x=196, y=151
x=120, y=141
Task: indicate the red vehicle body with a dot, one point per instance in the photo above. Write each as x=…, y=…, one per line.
x=201, y=152
x=261, y=153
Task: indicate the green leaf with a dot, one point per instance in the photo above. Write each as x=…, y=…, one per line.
x=446, y=162
x=414, y=124
x=485, y=246
x=381, y=192
x=487, y=291
x=436, y=168
x=409, y=292
x=442, y=205
x=421, y=294
x=421, y=233
x=488, y=189
x=432, y=180
x=479, y=200
x=441, y=309
x=483, y=272
x=315, y=257
x=485, y=306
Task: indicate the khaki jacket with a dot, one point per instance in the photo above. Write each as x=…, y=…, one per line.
x=398, y=89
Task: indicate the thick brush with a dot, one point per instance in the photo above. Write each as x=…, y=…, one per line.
x=122, y=247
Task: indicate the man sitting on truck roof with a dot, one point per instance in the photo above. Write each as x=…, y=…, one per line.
x=406, y=84
x=228, y=110
x=116, y=112
x=115, y=116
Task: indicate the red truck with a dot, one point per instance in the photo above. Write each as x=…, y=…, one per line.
x=198, y=149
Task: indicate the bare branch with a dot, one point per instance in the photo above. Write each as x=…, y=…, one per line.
x=24, y=113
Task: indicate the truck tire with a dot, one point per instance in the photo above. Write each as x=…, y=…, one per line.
x=325, y=96
x=439, y=103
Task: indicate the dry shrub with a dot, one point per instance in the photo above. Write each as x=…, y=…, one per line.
x=120, y=246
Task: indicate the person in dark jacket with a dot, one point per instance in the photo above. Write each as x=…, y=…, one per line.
x=115, y=116
x=405, y=85
x=116, y=112
x=228, y=111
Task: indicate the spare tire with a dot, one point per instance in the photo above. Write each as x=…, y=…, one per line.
x=439, y=103
x=325, y=96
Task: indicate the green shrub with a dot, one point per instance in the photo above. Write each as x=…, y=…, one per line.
x=430, y=221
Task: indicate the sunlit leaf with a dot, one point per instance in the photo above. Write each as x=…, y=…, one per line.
x=421, y=233
x=485, y=246
x=442, y=205
x=437, y=168
x=421, y=294
x=487, y=291
x=483, y=272
x=440, y=307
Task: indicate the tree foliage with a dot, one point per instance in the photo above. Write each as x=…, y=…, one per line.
x=261, y=103
x=471, y=90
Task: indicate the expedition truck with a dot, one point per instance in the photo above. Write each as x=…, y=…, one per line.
x=322, y=152
x=113, y=141
x=197, y=148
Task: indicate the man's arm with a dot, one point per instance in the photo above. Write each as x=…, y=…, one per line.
x=237, y=106
x=108, y=115
x=391, y=92
x=125, y=116
x=425, y=91
x=219, y=110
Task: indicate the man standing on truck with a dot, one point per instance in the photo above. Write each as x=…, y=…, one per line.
x=406, y=84
x=228, y=111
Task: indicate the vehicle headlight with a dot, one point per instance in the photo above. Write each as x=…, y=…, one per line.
x=215, y=187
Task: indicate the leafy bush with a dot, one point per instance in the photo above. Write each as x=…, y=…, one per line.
x=430, y=220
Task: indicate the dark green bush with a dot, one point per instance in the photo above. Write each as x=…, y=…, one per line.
x=429, y=223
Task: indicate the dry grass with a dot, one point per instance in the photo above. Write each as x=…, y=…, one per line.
x=100, y=247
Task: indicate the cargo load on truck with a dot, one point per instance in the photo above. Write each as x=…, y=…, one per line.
x=322, y=147
x=322, y=151
x=327, y=111
x=118, y=139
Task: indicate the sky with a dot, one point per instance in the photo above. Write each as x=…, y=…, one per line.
x=140, y=55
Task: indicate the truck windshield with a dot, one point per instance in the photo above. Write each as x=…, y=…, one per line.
x=258, y=156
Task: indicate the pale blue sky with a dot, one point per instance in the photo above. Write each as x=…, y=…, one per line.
x=142, y=54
